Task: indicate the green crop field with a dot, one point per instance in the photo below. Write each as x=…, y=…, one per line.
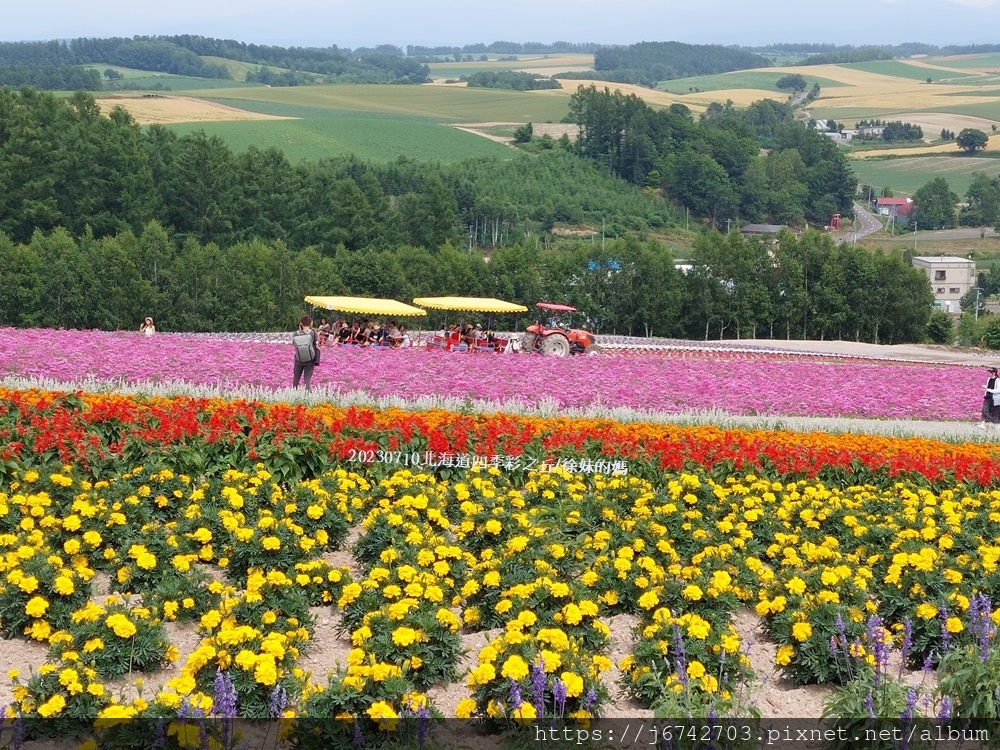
x=444, y=103
x=322, y=133
x=742, y=79
x=991, y=60
x=239, y=70
x=900, y=69
x=907, y=175
x=543, y=64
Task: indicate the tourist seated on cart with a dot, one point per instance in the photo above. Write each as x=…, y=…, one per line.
x=404, y=338
x=324, y=332
x=394, y=336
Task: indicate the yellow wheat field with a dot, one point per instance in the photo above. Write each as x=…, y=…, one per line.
x=168, y=110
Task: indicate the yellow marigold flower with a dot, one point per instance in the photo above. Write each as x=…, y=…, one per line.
x=36, y=607
x=515, y=668
x=696, y=670
x=796, y=586
x=801, y=631
x=692, y=593
x=383, y=714
x=465, y=708
x=94, y=644
x=926, y=611
x=573, y=683
x=954, y=625
x=28, y=584
x=121, y=625
x=404, y=636
x=52, y=707
x=784, y=655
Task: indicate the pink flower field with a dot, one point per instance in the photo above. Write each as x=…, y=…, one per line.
x=738, y=383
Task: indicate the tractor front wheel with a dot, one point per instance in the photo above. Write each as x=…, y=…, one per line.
x=528, y=342
x=555, y=345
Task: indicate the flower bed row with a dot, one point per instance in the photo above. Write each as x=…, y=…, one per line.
x=738, y=383
x=103, y=431
x=437, y=557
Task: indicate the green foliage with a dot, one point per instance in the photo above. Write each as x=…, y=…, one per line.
x=722, y=165
x=510, y=79
x=848, y=56
x=969, y=330
x=940, y=329
x=935, y=205
x=970, y=140
x=650, y=62
x=795, y=82
x=523, y=134
x=990, y=332
x=59, y=78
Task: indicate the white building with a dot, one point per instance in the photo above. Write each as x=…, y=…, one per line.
x=950, y=279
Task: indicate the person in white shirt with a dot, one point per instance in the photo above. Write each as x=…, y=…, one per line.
x=147, y=327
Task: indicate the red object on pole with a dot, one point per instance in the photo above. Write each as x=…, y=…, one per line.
x=835, y=222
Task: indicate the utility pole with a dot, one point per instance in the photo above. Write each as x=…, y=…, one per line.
x=728, y=222
x=977, y=300
x=914, y=236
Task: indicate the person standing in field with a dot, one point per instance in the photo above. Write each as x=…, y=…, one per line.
x=147, y=327
x=991, y=400
x=306, y=352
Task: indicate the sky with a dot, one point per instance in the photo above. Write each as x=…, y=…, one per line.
x=362, y=23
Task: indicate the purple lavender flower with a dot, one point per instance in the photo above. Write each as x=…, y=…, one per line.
x=17, y=732
x=225, y=698
x=875, y=635
x=278, y=701
x=680, y=659
x=907, y=644
x=159, y=734
x=870, y=705
x=911, y=703
x=423, y=726
x=589, y=699
x=538, y=688
x=945, y=712
x=359, y=736
x=945, y=635
x=559, y=697
x=515, y=694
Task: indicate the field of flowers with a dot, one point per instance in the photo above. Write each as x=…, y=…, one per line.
x=227, y=514
x=737, y=383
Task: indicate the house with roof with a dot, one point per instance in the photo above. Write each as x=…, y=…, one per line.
x=894, y=206
x=950, y=277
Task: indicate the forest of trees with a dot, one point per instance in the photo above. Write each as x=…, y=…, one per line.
x=647, y=63
x=181, y=55
x=861, y=54
x=506, y=48
x=51, y=78
x=797, y=287
x=67, y=165
x=752, y=164
x=510, y=79
x=131, y=222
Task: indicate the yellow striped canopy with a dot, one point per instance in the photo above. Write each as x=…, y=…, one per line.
x=366, y=306
x=470, y=304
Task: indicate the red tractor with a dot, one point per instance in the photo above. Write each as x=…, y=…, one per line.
x=555, y=339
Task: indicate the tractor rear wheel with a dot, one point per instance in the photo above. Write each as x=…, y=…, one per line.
x=595, y=349
x=528, y=342
x=555, y=345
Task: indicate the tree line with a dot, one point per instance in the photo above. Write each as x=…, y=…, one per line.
x=51, y=78
x=182, y=55
x=732, y=287
x=731, y=164
x=67, y=165
x=510, y=79
x=505, y=48
x=652, y=62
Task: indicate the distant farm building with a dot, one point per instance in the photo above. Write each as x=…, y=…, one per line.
x=894, y=206
x=950, y=277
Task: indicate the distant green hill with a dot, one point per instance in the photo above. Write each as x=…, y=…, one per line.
x=651, y=62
